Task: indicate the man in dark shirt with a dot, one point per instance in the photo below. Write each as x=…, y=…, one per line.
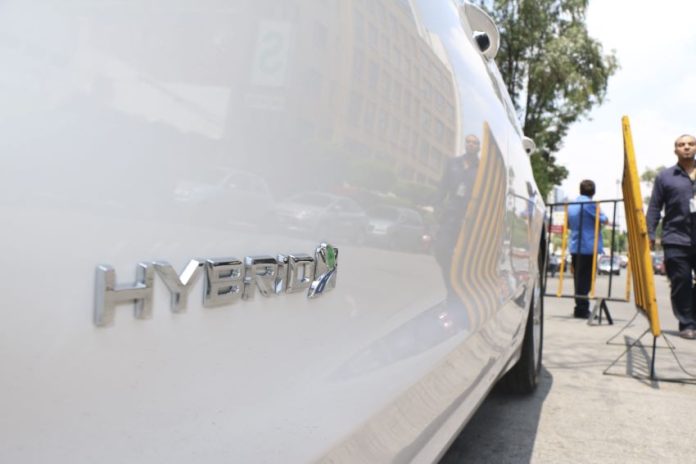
x=457, y=182
x=675, y=189
x=453, y=196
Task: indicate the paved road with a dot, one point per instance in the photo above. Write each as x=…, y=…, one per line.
x=579, y=415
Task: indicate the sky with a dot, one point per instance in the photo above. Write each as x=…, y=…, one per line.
x=655, y=43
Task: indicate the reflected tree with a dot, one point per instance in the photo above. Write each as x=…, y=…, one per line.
x=554, y=71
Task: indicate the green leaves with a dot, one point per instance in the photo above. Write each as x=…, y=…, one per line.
x=555, y=72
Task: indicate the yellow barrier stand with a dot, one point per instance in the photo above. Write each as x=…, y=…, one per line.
x=565, y=233
x=639, y=261
x=564, y=243
x=639, y=245
x=595, y=247
x=639, y=271
x=628, y=281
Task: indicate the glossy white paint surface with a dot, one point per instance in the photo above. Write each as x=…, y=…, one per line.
x=136, y=131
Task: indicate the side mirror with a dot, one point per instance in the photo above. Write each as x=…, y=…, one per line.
x=486, y=33
x=483, y=41
x=528, y=145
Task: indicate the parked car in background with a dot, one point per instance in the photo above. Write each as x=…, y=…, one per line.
x=658, y=262
x=554, y=265
x=624, y=261
x=138, y=326
x=607, y=265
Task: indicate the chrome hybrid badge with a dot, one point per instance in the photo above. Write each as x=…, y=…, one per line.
x=228, y=280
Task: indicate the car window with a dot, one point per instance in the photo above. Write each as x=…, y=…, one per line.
x=350, y=206
x=238, y=181
x=246, y=183
x=313, y=199
x=385, y=212
x=412, y=218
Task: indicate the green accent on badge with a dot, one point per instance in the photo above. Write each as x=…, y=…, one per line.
x=330, y=257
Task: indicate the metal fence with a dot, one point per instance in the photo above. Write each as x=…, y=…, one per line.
x=557, y=224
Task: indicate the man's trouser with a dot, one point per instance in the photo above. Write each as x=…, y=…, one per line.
x=680, y=261
x=582, y=277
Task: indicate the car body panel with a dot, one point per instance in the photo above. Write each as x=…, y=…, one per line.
x=114, y=112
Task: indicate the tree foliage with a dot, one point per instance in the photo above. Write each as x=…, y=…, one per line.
x=620, y=244
x=554, y=71
x=648, y=178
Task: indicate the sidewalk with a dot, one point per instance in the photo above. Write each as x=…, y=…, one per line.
x=579, y=415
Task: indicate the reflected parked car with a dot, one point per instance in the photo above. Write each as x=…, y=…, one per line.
x=325, y=215
x=203, y=195
x=608, y=265
x=397, y=228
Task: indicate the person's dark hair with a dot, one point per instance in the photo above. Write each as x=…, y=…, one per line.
x=681, y=137
x=587, y=188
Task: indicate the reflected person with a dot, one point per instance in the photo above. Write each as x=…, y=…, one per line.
x=453, y=196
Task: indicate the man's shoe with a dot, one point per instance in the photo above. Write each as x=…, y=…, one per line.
x=584, y=314
x=689, y=334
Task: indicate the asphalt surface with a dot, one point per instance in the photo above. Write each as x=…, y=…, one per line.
x=581, y=415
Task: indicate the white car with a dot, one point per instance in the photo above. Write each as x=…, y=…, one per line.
x=142, y=323
x=607, y=265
